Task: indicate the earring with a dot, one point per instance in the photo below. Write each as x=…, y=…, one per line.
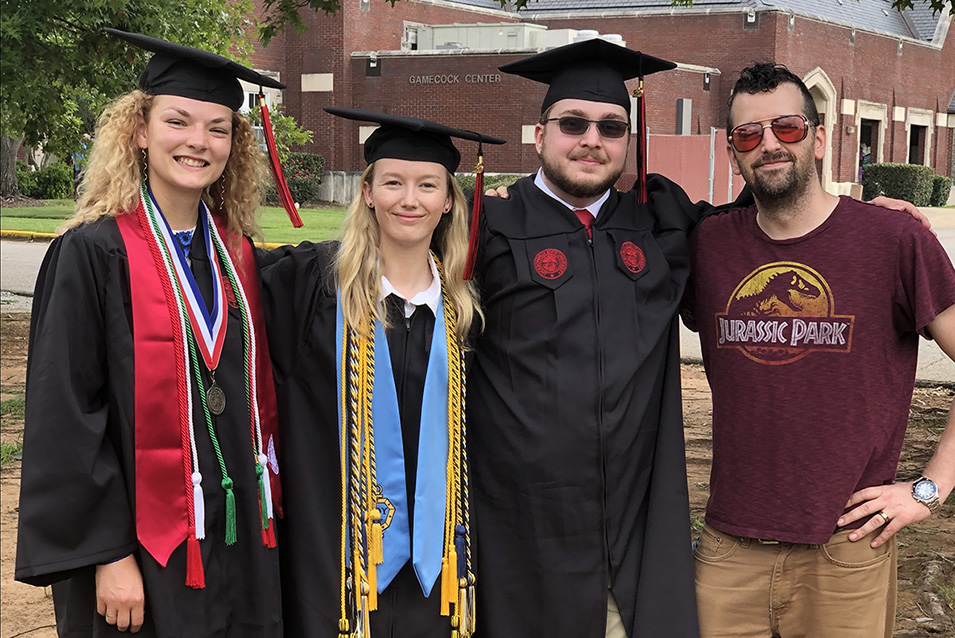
x=222, y=191
x=145, y=165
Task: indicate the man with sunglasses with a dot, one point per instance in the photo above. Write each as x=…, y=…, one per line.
x=575, y=429
x=809, y=308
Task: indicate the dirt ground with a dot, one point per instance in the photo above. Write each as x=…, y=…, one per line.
x=927, y=555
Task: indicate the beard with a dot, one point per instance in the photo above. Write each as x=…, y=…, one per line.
x=573, y=185
x=783, y=186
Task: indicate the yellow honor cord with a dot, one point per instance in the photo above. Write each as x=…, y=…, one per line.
x=361, y=518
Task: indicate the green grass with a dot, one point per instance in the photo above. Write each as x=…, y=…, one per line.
x=13, y=408
x=320, y=223
x=9, y=450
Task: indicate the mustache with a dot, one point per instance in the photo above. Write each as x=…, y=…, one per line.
x=778, y=156
x=597, y=157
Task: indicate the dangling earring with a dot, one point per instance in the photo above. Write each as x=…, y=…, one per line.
x=145, y=165
x=222, y=183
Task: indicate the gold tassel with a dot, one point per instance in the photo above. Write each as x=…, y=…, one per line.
x=375, y=551
x=372, y=586
x=365, y=619
x=461, y=612
x=445, y=600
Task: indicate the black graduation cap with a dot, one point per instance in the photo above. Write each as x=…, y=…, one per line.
x=417, y=140
x=411, y=138
x=594, y=70
x=200, y=75
x=193, y=73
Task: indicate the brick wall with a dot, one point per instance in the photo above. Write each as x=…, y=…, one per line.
x=870, y=69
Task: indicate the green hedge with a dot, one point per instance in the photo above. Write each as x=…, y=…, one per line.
x=303, y=173
x=26, y=180
x=910, y=182
x=941, y=188
x=51, y=182
x=466, y=180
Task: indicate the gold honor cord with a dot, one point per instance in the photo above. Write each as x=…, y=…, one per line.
x=361, y=518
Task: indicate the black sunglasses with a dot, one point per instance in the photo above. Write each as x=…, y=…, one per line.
x=573, y=125
x=787, y=128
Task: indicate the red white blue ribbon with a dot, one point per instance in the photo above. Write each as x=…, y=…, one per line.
x=208, y=326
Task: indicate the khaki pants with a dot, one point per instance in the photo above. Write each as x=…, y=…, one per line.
x=746, y=589
x=614, y=622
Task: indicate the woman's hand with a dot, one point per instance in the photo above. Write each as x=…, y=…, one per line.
x=119, y=594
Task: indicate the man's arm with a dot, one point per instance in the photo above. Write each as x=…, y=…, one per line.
x=896, y=501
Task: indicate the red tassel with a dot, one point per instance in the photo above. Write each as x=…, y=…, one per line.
x=280, y=184
x=641, y=185
x=475, y=218
x=195, y=576
x=268, y=535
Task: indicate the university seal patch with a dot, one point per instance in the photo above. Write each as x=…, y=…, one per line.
x=550, y=263
x=633, y=257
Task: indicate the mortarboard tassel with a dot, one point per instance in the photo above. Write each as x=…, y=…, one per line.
x=195, y=576
x=475, y=215
x=641, y=185
x=280, y=184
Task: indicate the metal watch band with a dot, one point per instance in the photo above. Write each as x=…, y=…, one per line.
x=931, y=503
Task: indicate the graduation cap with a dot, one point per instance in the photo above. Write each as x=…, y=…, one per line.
x=196, y=74
x=417, y=140
x=594, y=70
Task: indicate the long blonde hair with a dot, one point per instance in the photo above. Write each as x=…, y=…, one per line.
x=359, y=269
x=116, y=166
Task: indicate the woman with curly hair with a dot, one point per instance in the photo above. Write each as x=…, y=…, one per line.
x=149, y=487
x=376, y=528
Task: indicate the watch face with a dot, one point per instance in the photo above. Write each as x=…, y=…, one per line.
x=925, y=489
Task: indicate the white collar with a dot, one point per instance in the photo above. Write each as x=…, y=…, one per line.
x=430, y=296
x=593, y=209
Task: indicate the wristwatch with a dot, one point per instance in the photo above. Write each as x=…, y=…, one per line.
x=925, y=491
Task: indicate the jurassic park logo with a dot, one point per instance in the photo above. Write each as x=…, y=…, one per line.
x=782, y=312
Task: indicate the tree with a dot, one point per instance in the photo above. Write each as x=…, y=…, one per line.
x=285, y=128
x=280, y=14
x=58, y=68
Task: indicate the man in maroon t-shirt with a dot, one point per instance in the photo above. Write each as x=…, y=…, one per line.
x=809, y=309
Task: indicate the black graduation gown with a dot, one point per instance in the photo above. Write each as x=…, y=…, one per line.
x=78, y=475
x=575, y=422
x=299, y=297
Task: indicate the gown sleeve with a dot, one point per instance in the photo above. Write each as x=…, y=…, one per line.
x=665, y=194
x=75, y=509
x=293, y=278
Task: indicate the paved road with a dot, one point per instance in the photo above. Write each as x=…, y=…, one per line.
x=21, y=261
x=19, y=264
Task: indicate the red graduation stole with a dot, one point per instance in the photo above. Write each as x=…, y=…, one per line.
x=164, y=506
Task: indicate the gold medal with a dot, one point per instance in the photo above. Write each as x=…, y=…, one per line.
x=215, y=396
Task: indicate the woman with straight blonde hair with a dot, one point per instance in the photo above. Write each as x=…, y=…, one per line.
x=368, y=341
x=149, y=487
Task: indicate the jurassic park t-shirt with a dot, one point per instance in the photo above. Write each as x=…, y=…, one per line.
x=810, y=346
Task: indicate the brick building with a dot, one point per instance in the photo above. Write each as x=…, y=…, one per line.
x=884, y=80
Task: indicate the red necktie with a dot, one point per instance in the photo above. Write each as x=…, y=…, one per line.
x=586, y=219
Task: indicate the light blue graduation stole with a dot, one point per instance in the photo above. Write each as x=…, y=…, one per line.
x=426, y=548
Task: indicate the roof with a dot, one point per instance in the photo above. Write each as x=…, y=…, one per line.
x=867, y=15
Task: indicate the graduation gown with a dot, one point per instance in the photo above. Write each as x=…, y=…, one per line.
x=78, y=475
x=299, y=296
x=575, y=421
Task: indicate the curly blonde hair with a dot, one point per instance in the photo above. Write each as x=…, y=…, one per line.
x=116, y=165
x=359, y=270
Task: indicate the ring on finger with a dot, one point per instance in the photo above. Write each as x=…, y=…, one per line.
x=885, y=517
